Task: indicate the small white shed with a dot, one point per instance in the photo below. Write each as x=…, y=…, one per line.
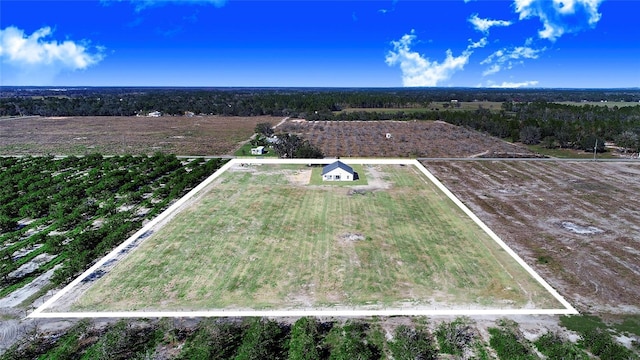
x=257, y=150
x=337, y=171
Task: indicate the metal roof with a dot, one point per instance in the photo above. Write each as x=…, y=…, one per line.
x=335, y=165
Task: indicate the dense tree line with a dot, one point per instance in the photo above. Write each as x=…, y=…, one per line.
x=277, y=102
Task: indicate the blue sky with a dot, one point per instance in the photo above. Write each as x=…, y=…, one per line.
x=472, y=43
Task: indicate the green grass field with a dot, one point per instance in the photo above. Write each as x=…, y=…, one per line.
x=262, y=237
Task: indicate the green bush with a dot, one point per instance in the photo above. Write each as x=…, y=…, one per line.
x=410, y=344
x=507, y=345
x=349, y=342
x=264, y=339
x=213, y=340
x=600, y=343
x=305, y=340
x=453, y=337
x=554, y=347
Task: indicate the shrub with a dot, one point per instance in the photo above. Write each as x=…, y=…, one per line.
x=454, y=337
x=409, y=344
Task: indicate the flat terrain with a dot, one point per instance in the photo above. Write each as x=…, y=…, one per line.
x=408, y=139
x=494, y=106
x=113, y=135
x=576, y=224
x=261, y=237
x=600, y=103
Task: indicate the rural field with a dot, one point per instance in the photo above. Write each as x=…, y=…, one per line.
x=114, y=135
x=576, y=223
x=262, y=237
x=407, y=139
x=494, y=106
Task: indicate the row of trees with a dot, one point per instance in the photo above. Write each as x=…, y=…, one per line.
x=277, y=102
x=81, y=207
x=309, y=339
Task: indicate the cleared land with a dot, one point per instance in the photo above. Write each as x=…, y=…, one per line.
x=113, y=135
x=494, y=106
x=576, y=223
x=407, y=139
x=262, y=238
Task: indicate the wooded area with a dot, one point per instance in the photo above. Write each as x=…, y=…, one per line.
x=530, y=116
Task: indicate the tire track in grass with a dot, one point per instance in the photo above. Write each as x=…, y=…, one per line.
x=306, y=264
x=293, y=251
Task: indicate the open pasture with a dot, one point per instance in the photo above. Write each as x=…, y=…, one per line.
x=118, y=135
x=261, y=237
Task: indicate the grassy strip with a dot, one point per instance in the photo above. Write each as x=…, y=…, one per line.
x=404, y=243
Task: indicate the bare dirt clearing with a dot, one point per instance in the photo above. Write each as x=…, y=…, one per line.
x=575, y=223
x=111, y=135
x=399, y=139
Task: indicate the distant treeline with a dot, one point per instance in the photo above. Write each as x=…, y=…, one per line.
x=529, y=115
x=254, y=102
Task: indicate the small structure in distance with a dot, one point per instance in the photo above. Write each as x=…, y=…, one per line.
x=338, y=171
x=257, y=150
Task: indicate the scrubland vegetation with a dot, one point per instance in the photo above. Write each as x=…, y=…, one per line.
x=311, y=338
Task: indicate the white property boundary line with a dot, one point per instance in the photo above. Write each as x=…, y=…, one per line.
x=38, y=313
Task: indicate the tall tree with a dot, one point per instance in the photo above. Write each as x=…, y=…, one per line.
x=264, y=128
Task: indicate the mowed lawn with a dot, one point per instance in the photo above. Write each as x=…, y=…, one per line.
x=259, y=239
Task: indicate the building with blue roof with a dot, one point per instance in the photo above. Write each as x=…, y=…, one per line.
x=337, y=171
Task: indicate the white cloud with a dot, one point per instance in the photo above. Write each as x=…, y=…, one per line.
x=420, y=71
x=492, y=70
x=484, y=25
x=559, y=17
x=32, y=54
x=479, y=44
x=393, y=7
x=513, y=85
x=143, y=4
x=506, y=58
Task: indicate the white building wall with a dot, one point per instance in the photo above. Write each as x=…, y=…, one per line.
x=331, y=175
